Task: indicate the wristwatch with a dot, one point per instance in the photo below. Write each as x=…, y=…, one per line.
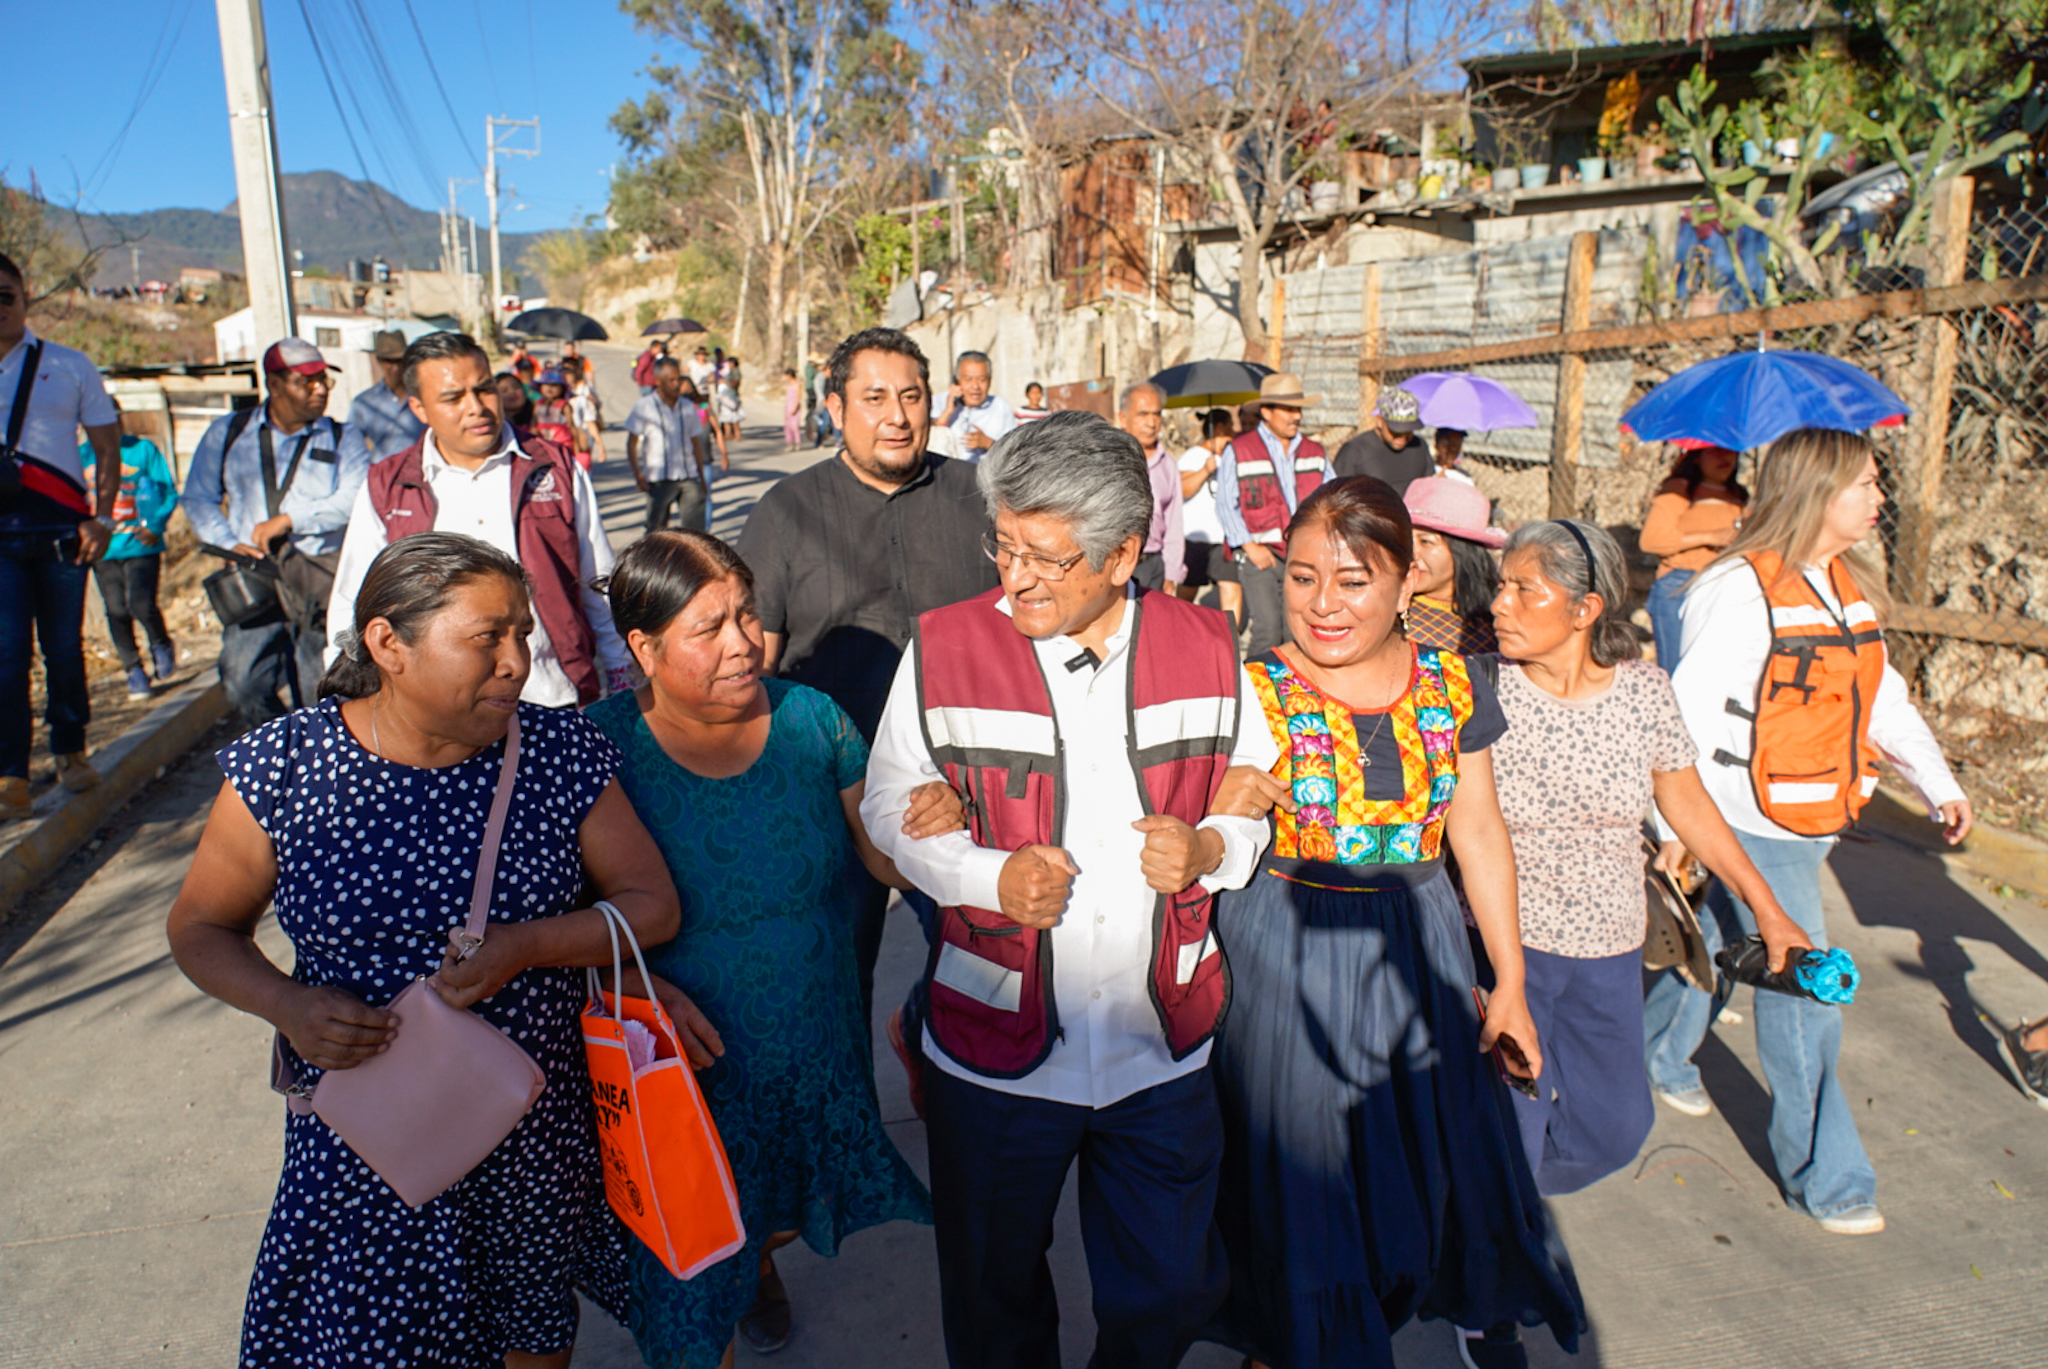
x=103, y=521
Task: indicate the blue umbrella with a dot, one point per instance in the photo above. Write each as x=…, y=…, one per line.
x=1750, y=399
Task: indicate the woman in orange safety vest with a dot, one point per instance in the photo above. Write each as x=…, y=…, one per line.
x=1784, y=685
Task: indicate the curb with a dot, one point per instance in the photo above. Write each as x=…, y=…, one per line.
x=2000, y=856
x=66, y=821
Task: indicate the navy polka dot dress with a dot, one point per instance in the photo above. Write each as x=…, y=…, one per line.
x=375, y=865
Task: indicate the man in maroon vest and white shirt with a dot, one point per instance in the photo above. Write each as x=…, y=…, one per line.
x=470, y=473
x=1074, y=979
x=1260, y=479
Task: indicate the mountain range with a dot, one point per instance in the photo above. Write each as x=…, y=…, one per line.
x=330, y=218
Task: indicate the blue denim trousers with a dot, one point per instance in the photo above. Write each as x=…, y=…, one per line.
x=1665, y=626
x=1821, y=1164
x=269, y=668
x=42, y=603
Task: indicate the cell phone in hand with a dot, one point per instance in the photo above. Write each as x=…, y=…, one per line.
x=1520, y=1083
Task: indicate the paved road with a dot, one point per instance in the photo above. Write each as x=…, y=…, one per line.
x=140, y=1144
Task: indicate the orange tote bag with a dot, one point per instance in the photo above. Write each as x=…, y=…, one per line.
x=665, y=1171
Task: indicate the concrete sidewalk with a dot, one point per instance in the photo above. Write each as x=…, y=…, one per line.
x=141, y=1144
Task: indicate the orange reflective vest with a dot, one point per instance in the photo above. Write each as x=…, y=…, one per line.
x=1810, y=762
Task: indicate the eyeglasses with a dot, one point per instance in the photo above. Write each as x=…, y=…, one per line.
x=1044, y=567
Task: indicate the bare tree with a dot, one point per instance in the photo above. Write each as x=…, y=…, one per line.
x=51, y=243
x=1239, y=89
x=808, y=90
x=1004, y=66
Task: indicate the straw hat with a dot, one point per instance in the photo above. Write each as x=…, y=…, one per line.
x=1284, y=388
x=1454, y=509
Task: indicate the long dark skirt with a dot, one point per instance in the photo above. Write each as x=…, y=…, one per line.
x=1372, y=1172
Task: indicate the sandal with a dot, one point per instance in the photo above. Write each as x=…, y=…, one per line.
x=766, y=1326
x=2029, y=1068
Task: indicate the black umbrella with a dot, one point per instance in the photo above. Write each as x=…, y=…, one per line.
x=663, y=326
x=1197, y=383
x=566, y=324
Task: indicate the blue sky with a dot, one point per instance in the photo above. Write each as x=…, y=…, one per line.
x=571, y=62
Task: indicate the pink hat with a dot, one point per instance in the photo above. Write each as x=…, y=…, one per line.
x=1453, y=508
x=296, y=354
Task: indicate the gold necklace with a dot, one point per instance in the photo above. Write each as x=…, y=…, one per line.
x=376, y=745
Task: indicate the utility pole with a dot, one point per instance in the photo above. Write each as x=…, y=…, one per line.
x=492, y=123
x=451, y=246
x=245, y=62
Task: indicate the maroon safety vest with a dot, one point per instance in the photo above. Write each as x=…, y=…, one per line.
x=989, y=724
x=1260, y=500
x=543, y=520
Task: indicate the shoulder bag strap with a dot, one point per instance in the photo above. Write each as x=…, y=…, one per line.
x=274, y=491
x=494, y=832
x=17, y=415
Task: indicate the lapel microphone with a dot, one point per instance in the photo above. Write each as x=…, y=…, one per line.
x=1086, y=659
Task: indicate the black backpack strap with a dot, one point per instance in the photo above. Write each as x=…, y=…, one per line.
x=17, y=414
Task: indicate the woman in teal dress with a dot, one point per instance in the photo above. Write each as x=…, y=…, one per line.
x=752, y=790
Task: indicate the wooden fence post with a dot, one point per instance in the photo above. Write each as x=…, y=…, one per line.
x=1276, y=337
x=1568, y=434
x=1371, y=341
x=1918, y=487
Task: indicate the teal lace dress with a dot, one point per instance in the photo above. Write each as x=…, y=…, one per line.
x=769, y=882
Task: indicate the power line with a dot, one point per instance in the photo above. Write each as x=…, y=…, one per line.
x=376, y=191
x=159, y=62
x=484, y=37
x=461, y=140
x=394, y=101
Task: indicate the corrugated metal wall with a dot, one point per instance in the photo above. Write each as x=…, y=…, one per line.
x=1464, y=299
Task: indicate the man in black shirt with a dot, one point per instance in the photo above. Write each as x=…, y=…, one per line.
x=1391, y=449
x=848, y=552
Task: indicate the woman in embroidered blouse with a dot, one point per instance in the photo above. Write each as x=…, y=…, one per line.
x=1455, y=576
x=1370, y=1172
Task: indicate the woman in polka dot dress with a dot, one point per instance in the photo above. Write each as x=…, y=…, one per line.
x=363, y=817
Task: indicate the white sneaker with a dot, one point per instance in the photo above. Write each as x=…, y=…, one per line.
x=1692, y=1102
x=1862, y=1220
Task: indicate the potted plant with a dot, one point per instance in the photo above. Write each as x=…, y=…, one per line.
x=1521, y=143
x=1648, y=149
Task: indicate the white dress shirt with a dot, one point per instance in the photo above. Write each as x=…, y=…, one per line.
x=68, y=395
x=1727, y=643
x=479, y=502
x=992, y=416
x=1112, y=1045
x=668, y=437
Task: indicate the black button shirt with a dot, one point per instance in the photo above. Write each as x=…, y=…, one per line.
x=842, y=570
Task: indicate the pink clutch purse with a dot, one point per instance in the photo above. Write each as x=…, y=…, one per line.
x=451, y=1087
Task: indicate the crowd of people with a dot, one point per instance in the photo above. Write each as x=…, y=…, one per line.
x=1310, y=929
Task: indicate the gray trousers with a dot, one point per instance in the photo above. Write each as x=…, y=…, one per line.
x=685, y=496
x=1265, y=604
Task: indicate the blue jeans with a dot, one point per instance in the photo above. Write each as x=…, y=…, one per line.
x=264, y=659
x=1821, y=1164
x=42, y=602
x=1665, y=626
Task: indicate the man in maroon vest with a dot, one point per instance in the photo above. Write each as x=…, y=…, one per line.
x=1074, y=978
x=1260, y=478
x=470, y=472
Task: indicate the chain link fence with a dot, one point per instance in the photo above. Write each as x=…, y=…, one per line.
x=1960, y=533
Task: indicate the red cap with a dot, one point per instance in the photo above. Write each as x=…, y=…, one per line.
x=295, y=354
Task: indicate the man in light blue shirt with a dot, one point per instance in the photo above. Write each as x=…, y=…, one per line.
x=277, y=483
x=977, y=416
x=381, y=417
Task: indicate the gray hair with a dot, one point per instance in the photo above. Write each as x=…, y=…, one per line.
x=1562, y=556
x=1131, y=393
x=966, y=357
x=1074, y=466
x=668, y=364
